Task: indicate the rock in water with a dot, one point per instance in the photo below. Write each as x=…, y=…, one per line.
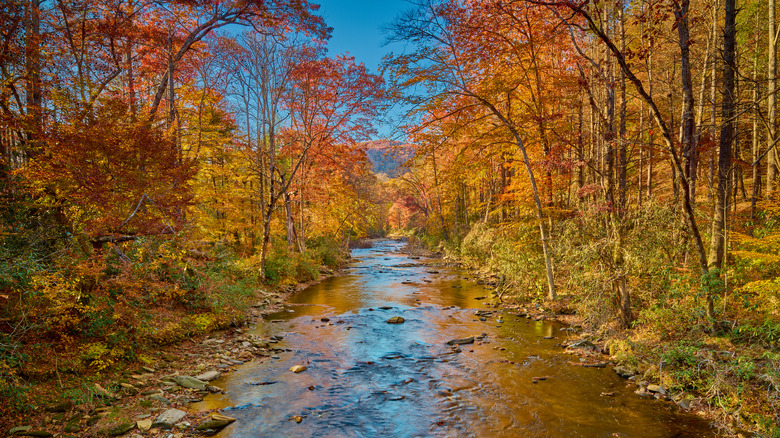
x=208, y=376
x=642, y=392
x=167, y=419
x=461, y=341
x=190, y=382
x=215, y=422
x=297, y=368
x=623, y=372
x=221, y=417
x=396, y=320
x=656, y=388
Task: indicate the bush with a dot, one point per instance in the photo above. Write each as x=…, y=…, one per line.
x=512, y=251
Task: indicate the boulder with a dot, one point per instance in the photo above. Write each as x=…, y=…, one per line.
x=297, y=368
x=624, y=372
x=159, y=398
x=216, y=421
x=584, y=343
x=657, y=388
x=396, y=320
x=208, y=376
x=190, y=382
x=144, y=425
x=121, y=428
x=167, y=419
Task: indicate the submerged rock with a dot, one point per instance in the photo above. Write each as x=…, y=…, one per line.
x=297, y=368
x=461, y=341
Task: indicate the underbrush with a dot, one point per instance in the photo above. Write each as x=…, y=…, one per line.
x=86, y=312
x=731, y=371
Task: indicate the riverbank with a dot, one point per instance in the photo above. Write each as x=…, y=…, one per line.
x=150, y=397
x=591, y=347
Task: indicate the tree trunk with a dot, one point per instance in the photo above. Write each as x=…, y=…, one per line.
x=291, y=236
x=687, y=121
x=33, y=90
x=773, y=158
x=651, y=134
x=718, y=237
x=266, y=239
x=755, y=146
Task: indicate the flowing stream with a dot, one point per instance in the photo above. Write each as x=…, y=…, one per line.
x=368, y=378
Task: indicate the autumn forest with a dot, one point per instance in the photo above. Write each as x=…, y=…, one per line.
x=168, y=168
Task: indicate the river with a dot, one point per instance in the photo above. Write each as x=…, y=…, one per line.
x=366, y=377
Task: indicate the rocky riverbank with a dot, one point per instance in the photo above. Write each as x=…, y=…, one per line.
x=591, y=350
x=150, y=398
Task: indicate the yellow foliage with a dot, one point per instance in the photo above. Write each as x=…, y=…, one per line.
x=100, y=357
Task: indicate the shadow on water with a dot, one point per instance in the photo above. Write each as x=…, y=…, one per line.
x=366, y=377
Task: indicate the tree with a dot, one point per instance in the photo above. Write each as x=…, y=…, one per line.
x=483, y=58
x=297, y=104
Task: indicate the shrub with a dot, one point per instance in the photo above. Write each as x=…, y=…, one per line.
x=98, y=356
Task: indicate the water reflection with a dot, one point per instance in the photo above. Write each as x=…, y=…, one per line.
x=366, y=377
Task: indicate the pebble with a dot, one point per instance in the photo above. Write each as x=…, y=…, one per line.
x=297, y=368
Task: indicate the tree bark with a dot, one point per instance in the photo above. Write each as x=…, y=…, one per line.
x=33, y=90
x=718, y=237
x=687, y=121
x=773, y=158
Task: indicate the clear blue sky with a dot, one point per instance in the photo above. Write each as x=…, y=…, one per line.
x=356, y=27
x=357, y=31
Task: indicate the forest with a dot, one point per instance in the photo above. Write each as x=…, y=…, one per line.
x=165, y=166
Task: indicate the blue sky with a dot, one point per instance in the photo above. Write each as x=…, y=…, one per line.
x=356, y=27
x=357, y=31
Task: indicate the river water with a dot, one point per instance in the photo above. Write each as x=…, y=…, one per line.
x=368, y=378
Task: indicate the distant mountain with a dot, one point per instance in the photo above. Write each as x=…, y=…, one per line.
x=387, y=156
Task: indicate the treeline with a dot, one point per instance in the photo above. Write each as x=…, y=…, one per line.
x=160, y=162
x=615, y=158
